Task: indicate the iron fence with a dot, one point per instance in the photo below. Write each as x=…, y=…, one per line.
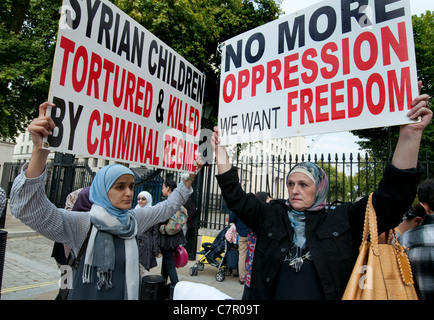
x=349, y=178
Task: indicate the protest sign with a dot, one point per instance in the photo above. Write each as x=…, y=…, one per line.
x=335, y=66
x=121, y=93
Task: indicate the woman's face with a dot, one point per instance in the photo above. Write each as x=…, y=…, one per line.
x=141, y=201
x=165, y=191
x=121, y=192
x=301, y=191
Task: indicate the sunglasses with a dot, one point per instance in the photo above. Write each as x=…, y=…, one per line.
x=141, y=198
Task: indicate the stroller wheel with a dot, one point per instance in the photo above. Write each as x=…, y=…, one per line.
x=220, y=276
x=193, y=271
x=228, y=272
x=200, y=266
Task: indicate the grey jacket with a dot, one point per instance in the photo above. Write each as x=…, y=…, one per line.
x=29, y=203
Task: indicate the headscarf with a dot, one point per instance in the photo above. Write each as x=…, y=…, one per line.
x=318, y=176
x=148, y=197
x=102, y=183
x=83, y=203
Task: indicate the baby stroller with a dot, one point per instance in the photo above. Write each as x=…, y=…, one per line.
x=219, y=254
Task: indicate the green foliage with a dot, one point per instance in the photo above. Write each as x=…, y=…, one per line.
x=423, y=30
x=27, y=43
x=368, y=176
x=339, y=184
x=357, y=179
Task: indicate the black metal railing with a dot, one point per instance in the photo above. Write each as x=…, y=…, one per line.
x=350, y=177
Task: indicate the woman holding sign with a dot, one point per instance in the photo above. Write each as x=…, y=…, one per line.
x=304, y=251
x=109, y=268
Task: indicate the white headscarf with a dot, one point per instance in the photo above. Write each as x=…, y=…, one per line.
x=148, y=197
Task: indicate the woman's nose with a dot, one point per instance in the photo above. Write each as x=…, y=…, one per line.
x=295, y=189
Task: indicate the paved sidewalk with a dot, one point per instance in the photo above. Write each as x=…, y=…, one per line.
x=31, y=273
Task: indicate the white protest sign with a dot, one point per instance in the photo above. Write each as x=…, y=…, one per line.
x=338, y=65
x=120, y=92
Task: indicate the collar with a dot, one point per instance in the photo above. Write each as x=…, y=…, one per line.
x=428, y=219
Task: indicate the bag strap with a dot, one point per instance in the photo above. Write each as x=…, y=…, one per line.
x=403, y=262
x=370, y=228
x=373, y=230
x=77, y=260
x=365, y=228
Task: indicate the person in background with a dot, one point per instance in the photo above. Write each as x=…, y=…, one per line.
x=420, y=244
x=149, y=240
x=144, y=199
x=191, y=228
x=242, y=246
x=2, y=200
x=411, y=219
x=168, y=243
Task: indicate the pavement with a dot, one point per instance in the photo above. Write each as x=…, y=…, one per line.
x=30, y=273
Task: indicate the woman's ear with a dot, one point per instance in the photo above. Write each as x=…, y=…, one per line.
x=417, y=221
x=426, y=207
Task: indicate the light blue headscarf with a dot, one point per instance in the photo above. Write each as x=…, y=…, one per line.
x=102, y=183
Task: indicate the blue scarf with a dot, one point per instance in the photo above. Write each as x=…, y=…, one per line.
x=298, y=223
x=102, y=183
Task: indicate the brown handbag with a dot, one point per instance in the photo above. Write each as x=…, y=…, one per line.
x=382, y=271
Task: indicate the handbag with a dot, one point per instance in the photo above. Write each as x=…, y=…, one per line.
x=175, y=223
x=180, y=256
x=382, y=271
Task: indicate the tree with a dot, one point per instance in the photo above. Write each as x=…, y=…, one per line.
x=369, y=173
x=339, y=184
x=27, y=43
x=193, y=28
x=380, y=139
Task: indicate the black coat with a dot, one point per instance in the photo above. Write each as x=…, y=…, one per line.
x=333, y=237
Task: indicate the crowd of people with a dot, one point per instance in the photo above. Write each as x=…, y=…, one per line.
x=295, y=248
